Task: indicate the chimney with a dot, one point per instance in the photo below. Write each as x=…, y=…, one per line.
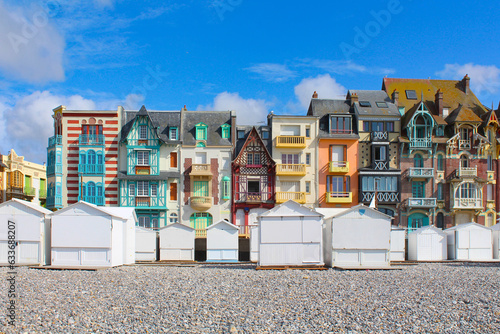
x=395, y=98
x=439, y=102
x=354, y=98
x=184, y=109
x=315, y=95
x=465, y=84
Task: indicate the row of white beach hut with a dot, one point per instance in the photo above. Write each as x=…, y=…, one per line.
x=287, y=235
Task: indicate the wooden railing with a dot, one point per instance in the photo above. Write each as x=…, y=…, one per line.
x=291, y=169
x=380, y=136
x=339, y=197
x=299, y=197
x=338, y=167
x=142, y=201
x=291, y=141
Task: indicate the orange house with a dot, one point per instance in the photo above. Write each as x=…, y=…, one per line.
x=337, y=152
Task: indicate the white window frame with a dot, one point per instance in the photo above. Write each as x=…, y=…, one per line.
x=143, y=188
x=143, y=158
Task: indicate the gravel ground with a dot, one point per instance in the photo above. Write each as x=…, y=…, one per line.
x=424, y=298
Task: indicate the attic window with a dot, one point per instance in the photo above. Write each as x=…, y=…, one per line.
x=241, y=134
x=365, y=104
x=225, y=128
x=265, y=134
x=201, y=131
x=382, y=105
x=411, y=95
x=173, y=133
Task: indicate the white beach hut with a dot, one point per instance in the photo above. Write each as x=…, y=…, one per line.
x=358, y=238
x=470, y=241
x=145, y=244
x=427, y=243
x=84, y=234
x=177, y=242
x=290, y=235
x=254, y=243
x=222, y=242
x=29, y=224
x=496, y=240
x=398, y=241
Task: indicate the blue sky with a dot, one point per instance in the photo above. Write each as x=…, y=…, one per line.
x=250, y=56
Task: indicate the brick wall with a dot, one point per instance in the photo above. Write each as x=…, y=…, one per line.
x=214, y=168
x=188, y=162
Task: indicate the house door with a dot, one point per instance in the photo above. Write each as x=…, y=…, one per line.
x=417, y=220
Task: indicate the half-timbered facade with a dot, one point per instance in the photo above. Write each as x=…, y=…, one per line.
x=253, y=176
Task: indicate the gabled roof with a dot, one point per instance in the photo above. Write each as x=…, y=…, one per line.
x=291, y=209
x=27, y=204
x=453, y=93
x=177, y=225
x=213, y=120
x=490, y=117
x=223, y=222
x=462, y=114
x=374, y=96
x=161, y=120
x=467, y=225
x=113, y=213
x=323, y=108
x=410, y=113
x=427, y=229
x=362, y=209
x=251, y=136
x=496, y=227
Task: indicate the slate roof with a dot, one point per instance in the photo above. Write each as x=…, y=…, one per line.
x=162, y=120
x=247, y=128
x=453, y=93
x=323, y=108
x=374, y=96
x=213, y=120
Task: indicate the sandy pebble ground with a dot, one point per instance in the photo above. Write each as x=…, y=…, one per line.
x=424, y=298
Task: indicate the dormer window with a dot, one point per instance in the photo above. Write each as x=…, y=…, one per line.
x=340, y=124
x=411, y=95
x=440, y=131
x=143, y=132
x=201, y=131
x=365, y=104
x=226, y=131
x=173, y=133
x=382, y=105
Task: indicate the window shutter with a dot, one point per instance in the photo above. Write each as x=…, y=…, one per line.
x=173, y=191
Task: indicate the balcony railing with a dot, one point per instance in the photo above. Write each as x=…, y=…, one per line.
x=54, y=169
x=54, y=202
x=201, y=203
x=282, y=197
x=42, y=193
x=291, y=141
x=380, y=136
x=291, y=169
x=339, y=197
x=468, y=203
x=382, y=196
x=142, y=201
x=420, y=143
x=421, y=202
x=339, y=166
x=464, y=144
x=29, y=191
x=15, y=190
x=55, y=140
x=245, y=230
x=90, y=169
x=201, y=169
x=467, y=172
x=251, y=197
x=97, y=200
x=91, y=139
x=419, y=172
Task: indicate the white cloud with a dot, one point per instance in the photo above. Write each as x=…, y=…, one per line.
x=28, y=123
x=248, y=111
x=272, y=72
x=32, y=48
x=343, y=66
x=483, y=78
x=324, y=85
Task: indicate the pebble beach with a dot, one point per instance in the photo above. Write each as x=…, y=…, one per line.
x=203, y=298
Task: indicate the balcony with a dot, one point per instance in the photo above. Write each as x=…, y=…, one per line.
x=299, y=197
x=341, y=197
x=380, y=136
x=142, y=201
x=142, y=170
x=91, y=169
x=291, y=141
x=91, y=140
x=421, y=202
x=467, y=172
x=382, y=197
x=29, y=191
x=55, y=140
x=97, y=200
x=468, y=203
x=42, y=194
x=418, y=172
x=339, y=167
x=464, y=144
x=15, y=190
x=420, y=142
x=201, y=170
x=252, y=197
x=291, y=169
x=200, y=203
x=53, y=202
x=54, y=169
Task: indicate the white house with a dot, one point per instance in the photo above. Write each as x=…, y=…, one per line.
x=29, y=224
x=496, y=240
x=145, y=244
x=398, y=241
x=290, y=234
x=358, y=238
x=427, y=243
x=222, y=242
x=470, y=241
x=84, y=234
x=177, y=242
x=254, y=243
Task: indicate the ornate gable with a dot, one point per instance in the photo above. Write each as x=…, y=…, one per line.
x=254, y=146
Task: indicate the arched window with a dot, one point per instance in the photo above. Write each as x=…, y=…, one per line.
x=173, y=218
x=91, y=157
x=91, y=189
x=464, y=161
x=440, y=162
x=200, y=144
x=489, y=220
x=440, y=220
x=419, y=162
